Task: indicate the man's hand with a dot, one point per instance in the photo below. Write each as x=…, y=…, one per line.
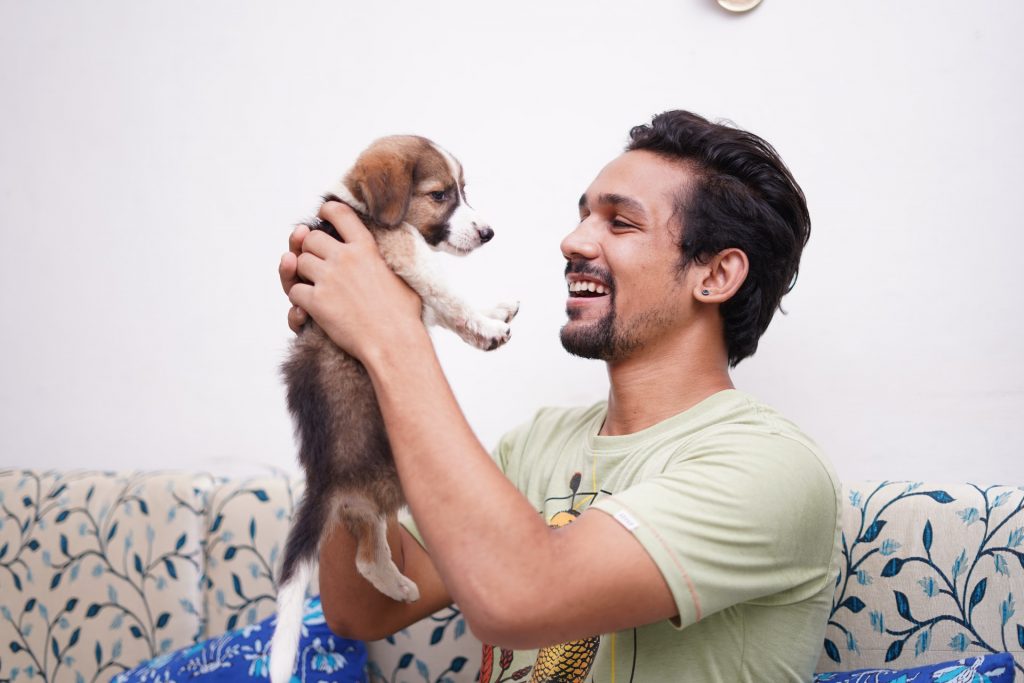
x=288, y=272
x=346, y=286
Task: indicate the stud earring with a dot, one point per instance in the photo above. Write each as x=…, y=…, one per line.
x=705, y=292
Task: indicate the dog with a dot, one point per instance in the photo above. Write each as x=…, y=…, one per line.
x=410, y=193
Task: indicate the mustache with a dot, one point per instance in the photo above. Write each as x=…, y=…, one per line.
x=581, y=267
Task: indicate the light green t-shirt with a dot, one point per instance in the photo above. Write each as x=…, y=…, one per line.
x=736, y=506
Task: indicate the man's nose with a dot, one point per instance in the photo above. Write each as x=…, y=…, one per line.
x=580, y=243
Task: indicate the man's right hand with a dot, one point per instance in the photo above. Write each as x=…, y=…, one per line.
x=288, y=271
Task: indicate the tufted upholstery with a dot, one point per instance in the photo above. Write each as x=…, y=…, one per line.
x=100, y=571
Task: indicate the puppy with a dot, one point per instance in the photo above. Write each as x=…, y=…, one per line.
x=411, y=195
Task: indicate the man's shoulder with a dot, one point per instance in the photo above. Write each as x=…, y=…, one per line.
x=741, y=413
x=755, y=448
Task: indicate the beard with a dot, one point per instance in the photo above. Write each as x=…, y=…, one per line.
x=596, y=340
x=608, y=338
x=602, y=339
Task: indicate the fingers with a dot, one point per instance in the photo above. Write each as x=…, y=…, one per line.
x=287, y=270
x=296, y=238
x=320, y=244
x=345, y=221
x=296, y=319
x=301, y=296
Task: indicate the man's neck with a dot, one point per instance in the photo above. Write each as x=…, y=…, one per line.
x=657, y=383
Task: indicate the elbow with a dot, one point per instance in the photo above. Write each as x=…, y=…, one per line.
x=338, y=619
x=344, y=626
x=508, y=623
x=346, y=623
x=505, y=632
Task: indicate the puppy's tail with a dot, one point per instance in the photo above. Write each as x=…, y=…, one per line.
x=300, y=556
x=291, y=596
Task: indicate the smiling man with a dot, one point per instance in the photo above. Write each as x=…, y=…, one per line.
x=679, y=530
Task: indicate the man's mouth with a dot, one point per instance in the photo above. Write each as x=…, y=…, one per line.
x=587, y=289
x=587, y=280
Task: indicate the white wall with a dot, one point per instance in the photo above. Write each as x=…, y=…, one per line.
x=153, y=157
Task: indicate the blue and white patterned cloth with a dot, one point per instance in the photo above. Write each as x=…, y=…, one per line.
x=996, y=668
x=244, y=654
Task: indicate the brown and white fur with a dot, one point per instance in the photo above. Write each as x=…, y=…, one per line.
x=410, y=194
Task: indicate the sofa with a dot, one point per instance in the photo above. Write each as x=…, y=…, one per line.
x=100, y=571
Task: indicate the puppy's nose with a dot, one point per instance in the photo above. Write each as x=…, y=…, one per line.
x=485, y=234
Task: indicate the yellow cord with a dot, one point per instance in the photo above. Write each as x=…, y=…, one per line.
x=613, y=657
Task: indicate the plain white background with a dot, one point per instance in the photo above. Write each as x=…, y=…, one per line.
x=153, y=157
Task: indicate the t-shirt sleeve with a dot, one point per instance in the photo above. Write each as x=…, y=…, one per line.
x=744, y=517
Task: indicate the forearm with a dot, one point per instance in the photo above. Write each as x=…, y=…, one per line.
x=353, y=607
x=448, y=478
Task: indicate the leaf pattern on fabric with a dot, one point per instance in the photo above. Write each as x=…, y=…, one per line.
x=105, y=570
x=956, y=545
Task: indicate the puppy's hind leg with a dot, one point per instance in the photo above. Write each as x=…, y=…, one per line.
x=373, y=560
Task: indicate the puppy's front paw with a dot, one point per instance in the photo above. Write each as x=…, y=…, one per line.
x=487, y=333
x=504, y=311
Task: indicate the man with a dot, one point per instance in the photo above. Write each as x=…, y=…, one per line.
x=704, y=526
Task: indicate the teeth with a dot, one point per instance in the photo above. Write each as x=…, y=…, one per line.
x=587, y=286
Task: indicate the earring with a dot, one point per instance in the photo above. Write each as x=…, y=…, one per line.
x=705, y=292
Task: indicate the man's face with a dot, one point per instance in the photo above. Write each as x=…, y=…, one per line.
x=625, y=289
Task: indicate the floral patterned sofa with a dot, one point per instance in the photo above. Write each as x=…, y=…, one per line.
x=100, y=571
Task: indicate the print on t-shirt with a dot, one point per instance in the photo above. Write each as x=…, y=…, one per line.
x=566, y=663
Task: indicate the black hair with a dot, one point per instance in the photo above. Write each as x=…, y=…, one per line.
x=743, y=197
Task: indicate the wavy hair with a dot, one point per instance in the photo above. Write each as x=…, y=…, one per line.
x=743, y=197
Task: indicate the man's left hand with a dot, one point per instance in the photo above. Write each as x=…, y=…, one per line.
x=347, y=287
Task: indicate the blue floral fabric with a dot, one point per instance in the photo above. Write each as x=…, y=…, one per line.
x=988, y=669
x=928, y=573
x=244, y=655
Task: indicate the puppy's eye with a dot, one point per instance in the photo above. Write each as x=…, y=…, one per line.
x=439, y=196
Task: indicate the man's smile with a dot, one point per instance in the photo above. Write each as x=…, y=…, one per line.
x=585, y=287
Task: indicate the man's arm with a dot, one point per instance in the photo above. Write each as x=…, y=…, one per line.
x=519, y=583
x=353, y=608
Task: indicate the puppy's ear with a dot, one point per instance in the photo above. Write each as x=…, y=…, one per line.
x=383, y=180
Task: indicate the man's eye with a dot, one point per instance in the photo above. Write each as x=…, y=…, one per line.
x=439, y=196
x=620, y=224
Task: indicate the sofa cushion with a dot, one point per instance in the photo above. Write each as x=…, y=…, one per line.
x=97, y=569
x=996, y=668
x=247, y=522
x=243, y=654
x=929, y=572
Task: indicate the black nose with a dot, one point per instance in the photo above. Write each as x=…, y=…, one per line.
x=485, y=234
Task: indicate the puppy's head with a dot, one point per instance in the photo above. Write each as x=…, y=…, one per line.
x=409, y=179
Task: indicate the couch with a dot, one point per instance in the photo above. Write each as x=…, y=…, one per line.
x=100, y=571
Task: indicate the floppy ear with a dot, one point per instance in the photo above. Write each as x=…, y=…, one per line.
x=382, y=179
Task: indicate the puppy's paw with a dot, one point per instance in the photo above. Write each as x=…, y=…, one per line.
x=487, y=333
x=504, y=311
x=386, y=578
x=408, y=589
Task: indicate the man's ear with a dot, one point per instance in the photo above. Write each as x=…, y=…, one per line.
x=382, y=180
x=723, y=276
